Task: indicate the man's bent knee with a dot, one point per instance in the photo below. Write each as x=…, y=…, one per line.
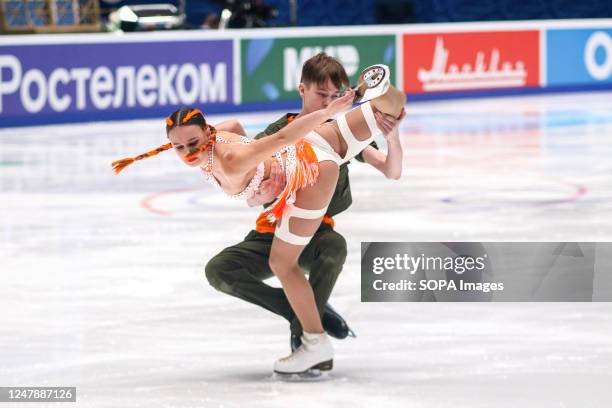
x=335, y=249
x=214, y=271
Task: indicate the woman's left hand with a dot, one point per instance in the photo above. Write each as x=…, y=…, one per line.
x=271, y=187
x=388, y=124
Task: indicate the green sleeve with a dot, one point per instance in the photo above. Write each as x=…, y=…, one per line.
x=270, y=130
x=273, y=127
x=359, y=157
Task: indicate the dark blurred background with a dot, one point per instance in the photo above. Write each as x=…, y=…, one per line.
x=357, y=12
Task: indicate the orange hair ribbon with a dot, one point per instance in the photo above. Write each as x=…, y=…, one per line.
x=123, y=163
x=191, y=115
x=211, y=140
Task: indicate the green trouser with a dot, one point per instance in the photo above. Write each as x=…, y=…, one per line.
x=240, y=270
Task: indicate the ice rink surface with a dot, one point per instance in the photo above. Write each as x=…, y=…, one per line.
x=103, y=283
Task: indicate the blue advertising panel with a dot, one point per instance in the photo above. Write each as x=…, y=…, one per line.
x=580, y=57
x=58, y=83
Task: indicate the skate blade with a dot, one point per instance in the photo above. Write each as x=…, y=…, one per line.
x=352, y=334
x=308, y=375
x=358, y=94
x=369, y=92
x=313, y=372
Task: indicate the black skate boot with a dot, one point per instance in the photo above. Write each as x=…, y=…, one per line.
x=333, y=324
x=295, y=341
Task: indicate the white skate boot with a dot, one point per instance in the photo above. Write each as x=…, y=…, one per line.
x=373, y=81
x=315, y=353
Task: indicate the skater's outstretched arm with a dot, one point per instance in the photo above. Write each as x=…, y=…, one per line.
x=246, y=157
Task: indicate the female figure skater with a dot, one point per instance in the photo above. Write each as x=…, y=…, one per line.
x=309, y=150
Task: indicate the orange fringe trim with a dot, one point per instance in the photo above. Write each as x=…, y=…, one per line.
x=305, y=174
x=263, y=224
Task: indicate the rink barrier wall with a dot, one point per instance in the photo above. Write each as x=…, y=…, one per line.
x=67, y=78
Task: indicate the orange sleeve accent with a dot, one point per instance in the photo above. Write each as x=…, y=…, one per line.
x=329, y=221
x=263, y=224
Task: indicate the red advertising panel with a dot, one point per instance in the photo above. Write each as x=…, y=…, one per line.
x=447, y=62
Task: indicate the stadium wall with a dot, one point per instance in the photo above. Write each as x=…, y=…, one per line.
x=48, y=79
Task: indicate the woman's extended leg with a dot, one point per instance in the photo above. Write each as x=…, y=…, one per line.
x=359, y=122
x=391, y=103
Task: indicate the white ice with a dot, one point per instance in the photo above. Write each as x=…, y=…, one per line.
x=103, y=288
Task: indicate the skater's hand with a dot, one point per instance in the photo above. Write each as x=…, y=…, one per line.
x=388, y=124
x=385, y=122
x=270, y=188
x=340, y=104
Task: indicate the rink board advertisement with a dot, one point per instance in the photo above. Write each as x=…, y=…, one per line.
x=486, y=272
x=470, y=61
x=71, y=82
x=579, y=57
x=271, y=67
x=89, y=77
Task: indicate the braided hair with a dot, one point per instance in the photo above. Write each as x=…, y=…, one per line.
x=181, y=117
